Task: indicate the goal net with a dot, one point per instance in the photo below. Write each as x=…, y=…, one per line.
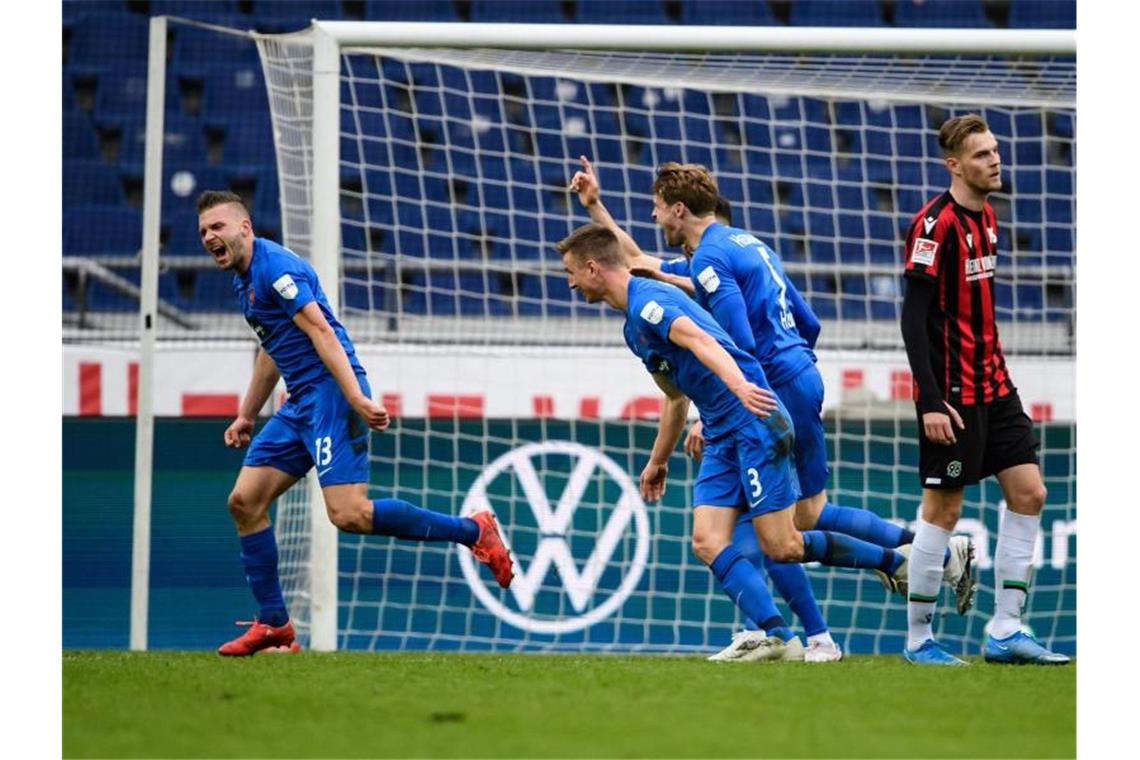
x=511, y=393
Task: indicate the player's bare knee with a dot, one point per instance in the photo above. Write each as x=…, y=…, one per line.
x=1029, y=501
x=804, y=519
x=783, y=548
x=351, y=515
x=706, y=547
x=243, y=509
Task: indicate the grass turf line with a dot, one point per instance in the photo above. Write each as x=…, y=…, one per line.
x=349, y=704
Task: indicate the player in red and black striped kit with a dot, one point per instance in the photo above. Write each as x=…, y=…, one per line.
x=971, y=421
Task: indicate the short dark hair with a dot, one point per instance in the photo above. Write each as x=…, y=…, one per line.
x=724, y=209
x=691, y=184
x=593, y=241
x=955, y=131
x=210, y=198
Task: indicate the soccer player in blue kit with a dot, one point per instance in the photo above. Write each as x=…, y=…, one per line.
x=325, y=423
x=746, y=466
x=742, y=283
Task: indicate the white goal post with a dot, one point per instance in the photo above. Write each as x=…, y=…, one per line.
x=306, y=77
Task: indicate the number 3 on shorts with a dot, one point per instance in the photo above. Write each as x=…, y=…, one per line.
x=754, y=479
x=323, y=451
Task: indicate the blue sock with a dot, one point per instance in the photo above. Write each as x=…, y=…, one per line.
x=747, y=590
x=864, y=524
x=398, y=518
x=792, y=582
x=259, y=556
x=841, y=550
x=744, y=541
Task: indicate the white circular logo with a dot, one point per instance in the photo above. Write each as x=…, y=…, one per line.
x=552, y=547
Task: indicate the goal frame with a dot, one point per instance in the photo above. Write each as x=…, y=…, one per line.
x=329, y=39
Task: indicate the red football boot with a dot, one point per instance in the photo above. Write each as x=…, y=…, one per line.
x=259, y=636
x=489, y=549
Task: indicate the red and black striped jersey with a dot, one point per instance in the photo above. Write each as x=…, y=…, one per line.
x=956, y=248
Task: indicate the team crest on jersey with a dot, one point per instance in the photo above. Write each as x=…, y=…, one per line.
x=708, y=280
x=652, y=313
x=923, y=251
x=286, y=287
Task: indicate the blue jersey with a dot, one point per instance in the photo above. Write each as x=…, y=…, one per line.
x=741, y=281
x=277, y=285
x=650, y=312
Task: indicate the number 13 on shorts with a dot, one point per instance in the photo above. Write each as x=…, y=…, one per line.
x=322, y=453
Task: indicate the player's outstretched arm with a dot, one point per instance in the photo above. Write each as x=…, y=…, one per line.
x=669, y=427
x=261, y=384
x=685, y=333
x=313, y=323
x=585, y=183
x=655, y=273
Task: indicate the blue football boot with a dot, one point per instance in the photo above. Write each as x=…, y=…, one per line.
x=1021, y=649
x=931, y=653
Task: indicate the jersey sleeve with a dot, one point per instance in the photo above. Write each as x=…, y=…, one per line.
x=655, y=313
x=717, y=280
x=290, y=286
x=679, y=266
x=926, y=244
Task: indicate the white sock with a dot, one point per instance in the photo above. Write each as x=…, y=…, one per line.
x=1013, y=561
x=924, y=577
x=822, y=638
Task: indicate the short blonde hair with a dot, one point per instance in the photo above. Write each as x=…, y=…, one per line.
x=955, y=131
x=691, y=184
x=593, y=241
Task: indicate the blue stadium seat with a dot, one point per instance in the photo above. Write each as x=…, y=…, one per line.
x=727, y=13
x=78, y=137
x=284, y=16
x=232, y=88
x=120, y=94
x=835, y=13
x=182, y=181
x=853, y=298
x=74, y=10
x=103, y=39
x=622, y=12
x=196, y=48
x=248, y=140
x=951, y=14
x=181, y=227
x=1043, y=14
x=98, y=229
x=91, y=182
x=195, y=9
x=213, y=290
x=182, y=140
x=422, y=10
x=506, y=11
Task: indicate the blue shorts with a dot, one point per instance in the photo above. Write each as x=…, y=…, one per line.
x=803, y=398
x=750, y=468
x=318, y=428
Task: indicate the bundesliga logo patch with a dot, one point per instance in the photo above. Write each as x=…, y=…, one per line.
x=708, y=279
x=923, y=252
x=652, y=313
x=286, y=287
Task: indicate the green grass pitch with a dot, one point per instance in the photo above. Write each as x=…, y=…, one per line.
x=183, y=704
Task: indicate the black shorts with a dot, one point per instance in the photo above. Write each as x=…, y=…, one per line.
x=997, y=436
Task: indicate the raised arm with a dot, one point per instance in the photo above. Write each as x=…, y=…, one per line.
x=261, y=384
x=686, y=334
x=313, y=323
x=585, y=183
x=669, y=428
